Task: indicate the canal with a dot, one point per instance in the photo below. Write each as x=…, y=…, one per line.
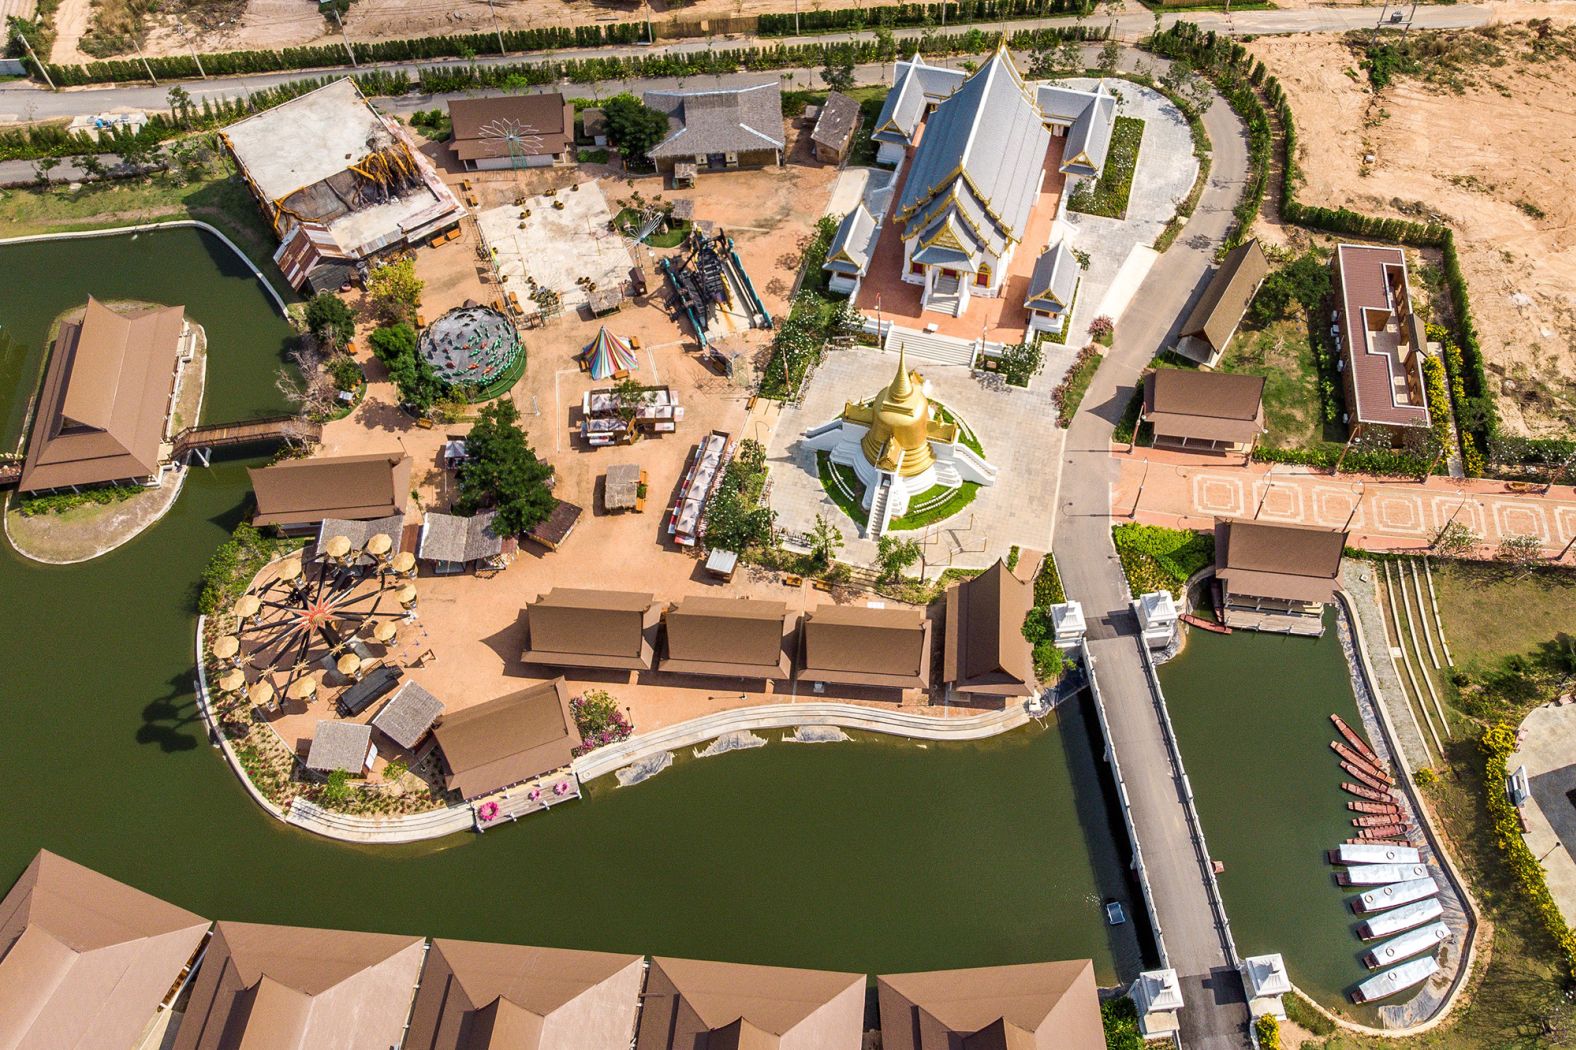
x=875, y=855
x=1252, y=713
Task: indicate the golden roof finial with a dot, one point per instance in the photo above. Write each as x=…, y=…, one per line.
x=901, y=386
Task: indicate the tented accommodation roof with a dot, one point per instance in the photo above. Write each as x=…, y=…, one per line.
x=1031, y=1006
x=305, y=491
x=984, y=648
x=690, y=1004
x=576, y=627
x=728, y=637
x=1299, y=563
x=86, y=960
x=105, y=398
x=292, y=988
x=508, y=739
x=861, y=645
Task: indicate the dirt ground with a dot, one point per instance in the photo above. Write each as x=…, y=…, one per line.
x=1490, y=150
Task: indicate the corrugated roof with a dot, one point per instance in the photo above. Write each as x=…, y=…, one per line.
x=690, y=1003
x=305, y=491
x=508, y=739
x=859, y=644
x=1208, y=406
x=732, y=120
x=85, y=960
x=1219, y=310
x=105, y=399
x=1289, y=562
x=542, y=122
x=730, y=637
x=1031, y=1006
x=984, y=649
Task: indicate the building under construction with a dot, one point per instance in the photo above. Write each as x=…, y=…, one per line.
x=338, y=182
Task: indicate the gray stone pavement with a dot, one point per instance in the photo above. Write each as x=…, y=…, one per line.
x=1548, y=745
x=1017, y=429
x=1215, y=1014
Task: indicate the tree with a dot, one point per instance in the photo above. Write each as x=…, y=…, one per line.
x=631, y=396
x=1110, y=56
x=894, y=555
x=1304, y=282
x=735, y=519
x=1455, y=540
x=91, y=166
x=501, y=472
x=634, y=127
x=838, y=73
x=306, y=384
x=1520, y=550
x=43, y=166
x=395, y=290
x=418, y=385
x=826, y=540
x=180, y=101
x=330, y=320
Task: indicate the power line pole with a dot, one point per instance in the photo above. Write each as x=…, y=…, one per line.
x=496, y=28
x=36, y=63
x=137, y=40
x=192, y=46
x=346, y=37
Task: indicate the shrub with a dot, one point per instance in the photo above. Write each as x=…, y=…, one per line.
x=735, y=518
x=1267, y=1028
x=330, y=320
x=418, y=385
x=345, y=372
x=60, y=502
x=599, y=720
x=1160, y=559
x=1102, y=329
x=1304, y=282
x=1069, y=393
x=1119, y=1017
x=233, y=565
x=1020, y=362
x=336, y=791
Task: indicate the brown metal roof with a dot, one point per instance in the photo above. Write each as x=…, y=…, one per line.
x=837, y=122
x=1288, y=562
x=86, y=960
x=477, y=996
x=732, y=1006
x=1363, y=286
x=984, y=650
x=574, y=627
x=305, y=491
x=552, y=532
x=105, y=398
x=546, y=120
x=1033, y=1006
x=729, y=637
x=292, y=988
x=1205, y=406
x=1219, y=310
x=508, y=739
x=861, y=645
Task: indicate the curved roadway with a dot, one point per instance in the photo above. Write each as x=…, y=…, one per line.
x=1215, y=1014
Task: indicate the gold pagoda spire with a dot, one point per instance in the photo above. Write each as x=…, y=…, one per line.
x=902, y=386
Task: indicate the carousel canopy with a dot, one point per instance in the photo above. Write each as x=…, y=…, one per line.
x=608, y=354
x=473, y=345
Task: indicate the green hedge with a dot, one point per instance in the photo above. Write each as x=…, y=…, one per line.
x=1387, y=462
x=1156, y=558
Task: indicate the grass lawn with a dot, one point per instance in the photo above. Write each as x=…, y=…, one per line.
x=1281, y=354
x=1109, y=194
x=960, y=497
x=221, y=200
x=1490, y=614
x=671, y=239
x=846, y=495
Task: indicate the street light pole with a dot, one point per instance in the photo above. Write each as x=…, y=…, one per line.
x=346, y=37
x=36, y=63
x=496, y=28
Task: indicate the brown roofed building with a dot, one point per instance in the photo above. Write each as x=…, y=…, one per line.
x=864, y=645
x=85, y=961
x=573, y=627
x=1208, y=411
x=105, y=401
x=694, y=1005
x=507, y=740
x=834, y=128
x=300, y=493
x=476, y=996
x=1277, y=577
x=729, y=638
x=512, y=131
x=292, y=988
x=984, y=650
x=1382, y=340
x=1218, y=312
x=1033, y=1006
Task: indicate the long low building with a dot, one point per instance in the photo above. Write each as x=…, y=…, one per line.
x=298, y=494
x=1032, y=1006
x=691, y=1004
x=512, y=131
x=507, y=740
x=866, y=645
x=1277, y=577
x=579, y=627
x=1204, y=411
x=1209, y=326
x=729, y=638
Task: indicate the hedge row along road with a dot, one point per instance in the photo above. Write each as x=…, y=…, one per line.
x=24, y=101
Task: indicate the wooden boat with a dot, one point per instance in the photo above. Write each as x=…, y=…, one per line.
x=1355, y=739
x=1384, y=841
x=1422, y=939
x=1394, y=895
x=1387, y=808
x=1372, y=768
x=1394, y=981
x=1372, y=794
x=1380, y=874
x=1202, y=624
x=1388, y=923
x=1384, y=833
x=1363, y=776
x=1352, y=853
x=1373, y=821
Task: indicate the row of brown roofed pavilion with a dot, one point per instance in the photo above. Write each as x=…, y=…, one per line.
x=984, y=650
x=93, y=964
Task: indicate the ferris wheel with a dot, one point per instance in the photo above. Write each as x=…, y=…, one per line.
x=520, y=139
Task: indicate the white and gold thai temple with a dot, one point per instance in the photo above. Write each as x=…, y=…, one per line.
x=898, y=447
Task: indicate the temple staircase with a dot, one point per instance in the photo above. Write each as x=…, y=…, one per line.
x=932, y=346
x=880, y=510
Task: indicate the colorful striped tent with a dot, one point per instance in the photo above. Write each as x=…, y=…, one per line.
x=608, y=354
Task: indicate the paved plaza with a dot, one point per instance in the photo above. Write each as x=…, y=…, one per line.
x=557, y=246
x=1548, y=744
x=1016, y=427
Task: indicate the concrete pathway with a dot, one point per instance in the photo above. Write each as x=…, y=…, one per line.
x=1185, y=490
x=1548, y=743
x=1215, y=1014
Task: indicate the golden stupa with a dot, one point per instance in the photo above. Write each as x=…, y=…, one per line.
x=901, y=424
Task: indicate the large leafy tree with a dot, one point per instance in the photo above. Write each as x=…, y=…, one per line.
x=330, y=320
x=418, y=385
x=502, y=472
x=634, y=127
x=395, y=290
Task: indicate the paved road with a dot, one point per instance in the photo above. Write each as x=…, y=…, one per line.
x=1215, y=1016
x=22, y=101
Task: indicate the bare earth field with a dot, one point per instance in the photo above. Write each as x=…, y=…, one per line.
x=1489, y=147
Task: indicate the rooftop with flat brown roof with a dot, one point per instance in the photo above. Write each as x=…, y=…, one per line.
x=580, y=627
x=301, y=492
x=984, y=649
x=1288, y=562
x=729, y=637
x=1204, y=406
x=865, y=645
x=690, y=1004
x=508, y=739
x=1032, y=1006
x=1377, y=336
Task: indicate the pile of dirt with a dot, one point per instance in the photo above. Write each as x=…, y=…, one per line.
x=1474, y=128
